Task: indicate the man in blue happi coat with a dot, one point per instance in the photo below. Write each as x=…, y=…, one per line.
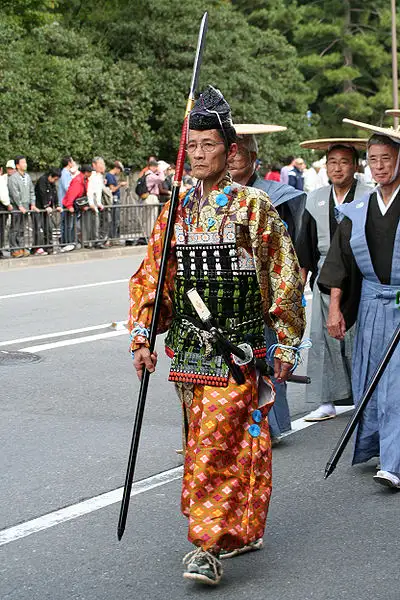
x=290, y=204
x=362, y=271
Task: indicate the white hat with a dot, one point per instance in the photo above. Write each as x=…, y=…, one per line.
x=326, y=143
x=10, y=164
x=162, y=165
x=393, y=134
x=393, y=112
x=256, y=128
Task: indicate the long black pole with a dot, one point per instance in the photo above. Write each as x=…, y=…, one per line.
x=160, y=283
x=347, y=433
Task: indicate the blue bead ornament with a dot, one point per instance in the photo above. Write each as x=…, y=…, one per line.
x=285, y=224
x=211, y=222
x=257, y=416
x=303, y=300
x=188, y=220
x=187, y=197
x=254, y=431
x=222, y=199
x=227, y=189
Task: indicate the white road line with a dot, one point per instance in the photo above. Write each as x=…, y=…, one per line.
x=63, y=289
x=87, y=506
x=48, y=336
x=74, y=341
x=103, y=500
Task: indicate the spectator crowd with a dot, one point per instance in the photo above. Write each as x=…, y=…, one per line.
x=80, y=206
x=73, y=206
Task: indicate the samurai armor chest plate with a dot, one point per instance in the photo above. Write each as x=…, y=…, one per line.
x=225, y=278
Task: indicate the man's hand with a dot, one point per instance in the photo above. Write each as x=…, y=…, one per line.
x=49, y=210
x=59, y=209
x=34, y=208
x=10, y=207
x=22, y=209
x=281, y=370
x=336, y=324
x=304, y=275
x=144, y=360
x=71, y=209
x=100, y=206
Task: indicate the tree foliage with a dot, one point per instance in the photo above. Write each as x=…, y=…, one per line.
x=344, y=51
x=62, y=94
x=248, y=65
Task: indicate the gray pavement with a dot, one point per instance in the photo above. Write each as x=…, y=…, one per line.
x=65, y=429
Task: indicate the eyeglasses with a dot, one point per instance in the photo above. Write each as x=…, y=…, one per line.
x=207, y=147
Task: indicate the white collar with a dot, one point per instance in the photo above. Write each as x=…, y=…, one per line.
x=382, y=206
x=335, y=197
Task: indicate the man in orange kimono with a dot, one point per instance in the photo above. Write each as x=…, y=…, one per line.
x=231, y=245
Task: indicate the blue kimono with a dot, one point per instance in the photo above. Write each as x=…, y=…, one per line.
x=290, y=204
x=373, y=240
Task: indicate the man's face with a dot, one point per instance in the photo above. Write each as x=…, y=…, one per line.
x=22, y=166
x=340, y=167
x=241, y=165
x=52, y=179
x=10, y=170
x=99, y=166
x=382, y=160
x=207, y=155
x=86, y=175
x=300, y=165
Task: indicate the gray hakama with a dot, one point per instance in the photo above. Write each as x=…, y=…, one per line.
x=329, y=360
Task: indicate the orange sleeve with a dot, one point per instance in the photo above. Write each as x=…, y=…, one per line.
x=143, y=284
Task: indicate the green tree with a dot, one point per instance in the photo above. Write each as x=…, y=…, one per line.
x=257, y=71
x=344, y=49
x=60, y=94
x=29, y=13
x=345, y=54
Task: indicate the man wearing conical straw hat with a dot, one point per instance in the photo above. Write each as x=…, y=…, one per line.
x=290, y=204
x=329, y=359
x=362, y=271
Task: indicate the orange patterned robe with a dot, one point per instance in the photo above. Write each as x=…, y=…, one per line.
x=227, y=472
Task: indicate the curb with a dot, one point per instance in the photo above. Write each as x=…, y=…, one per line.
x=75, y=256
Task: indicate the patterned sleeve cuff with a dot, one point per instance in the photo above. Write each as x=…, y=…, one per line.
x=139, y=337
x=288, y=354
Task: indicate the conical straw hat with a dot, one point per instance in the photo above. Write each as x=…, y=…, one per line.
x=326, y=143
x=256, y=128
x=393, y=112
x=393, y=134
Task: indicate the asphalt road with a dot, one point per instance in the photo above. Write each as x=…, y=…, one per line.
x=65, y=430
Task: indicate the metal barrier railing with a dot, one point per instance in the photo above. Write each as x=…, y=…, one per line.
x=43, y=231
